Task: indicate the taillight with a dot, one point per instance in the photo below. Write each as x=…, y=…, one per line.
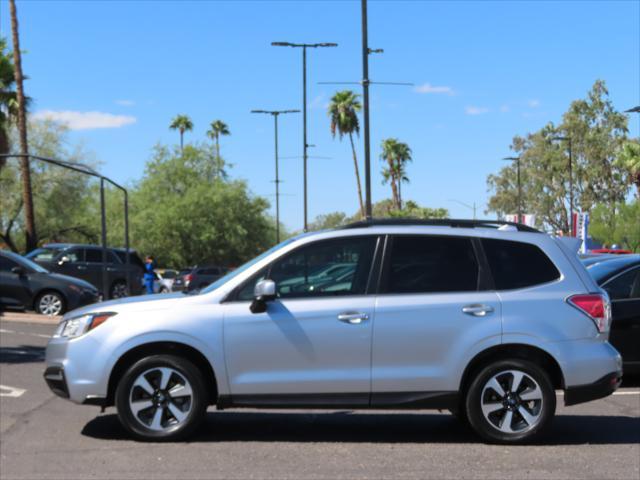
x=188, y=278
x=595, y=306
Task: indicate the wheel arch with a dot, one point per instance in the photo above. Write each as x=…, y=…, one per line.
x=510, y=351
x=42, y=291
x=162, y=348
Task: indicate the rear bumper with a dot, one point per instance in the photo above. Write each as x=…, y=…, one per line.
x=592, y=391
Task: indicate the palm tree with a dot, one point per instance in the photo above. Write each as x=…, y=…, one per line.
x=218, y=127
x=27, y=195
x=343, y=110
x=396, y=154
x=630, y=160
x=8, y=98
x=182, y=123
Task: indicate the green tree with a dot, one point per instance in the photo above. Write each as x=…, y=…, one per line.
x=396, y=154
x=629, y=159
x=329, y=221
x=620, y=225
x=217, y=128
x=64, y=201
x=343, y=112
x=597, y=133
x=182, y=220
x=182, y=123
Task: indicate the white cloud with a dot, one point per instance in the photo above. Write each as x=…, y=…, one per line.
x=125, y=103
x=85, y=120
x=428, y=88
x=475, y=110
x=533, y=103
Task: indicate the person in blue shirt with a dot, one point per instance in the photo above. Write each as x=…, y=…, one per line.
x=149, y=274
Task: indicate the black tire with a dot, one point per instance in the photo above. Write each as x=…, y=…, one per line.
x=55, y=297
x=197, y=405
x=163, y=290
x=118, y=289
x=460, y=414
x=488, y=427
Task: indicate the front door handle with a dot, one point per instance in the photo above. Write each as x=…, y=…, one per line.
x=81, y=267
x=477, y=310
x=353, y=318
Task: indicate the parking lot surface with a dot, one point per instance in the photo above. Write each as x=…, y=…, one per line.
x=42, y=436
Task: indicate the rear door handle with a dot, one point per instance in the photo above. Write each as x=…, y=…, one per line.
x=477, y=310
x=353, y=318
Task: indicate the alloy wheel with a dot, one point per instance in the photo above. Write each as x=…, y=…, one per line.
x=511, y=402
x=50, y=304
x=119, y=290
x=161, y=399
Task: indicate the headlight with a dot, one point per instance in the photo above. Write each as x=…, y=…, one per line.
x=74, y=327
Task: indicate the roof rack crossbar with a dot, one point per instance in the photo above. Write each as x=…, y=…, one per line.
x=440, y=222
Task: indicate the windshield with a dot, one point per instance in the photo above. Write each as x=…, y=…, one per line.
x=221, y=281
x=43, y=253
x=26, y=262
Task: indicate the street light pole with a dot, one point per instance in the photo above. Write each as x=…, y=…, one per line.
x=305, y=145
x=275, y=114
x=472, y=207
x=517, y=160
x=365, y=110
x=568, y=139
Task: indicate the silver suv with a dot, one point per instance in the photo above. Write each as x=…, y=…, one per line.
x=485, y=322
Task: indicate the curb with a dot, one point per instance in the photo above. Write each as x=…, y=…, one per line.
x=29, y=318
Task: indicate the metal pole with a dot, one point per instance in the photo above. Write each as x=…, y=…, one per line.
x=304, y=131
x=126, y=240
x=275, y=117
x=571, y=229
x=103, y=218
x=519, y=193
x=474, y=210
x=365, y=98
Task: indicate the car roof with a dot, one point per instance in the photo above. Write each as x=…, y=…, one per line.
x=602, y=271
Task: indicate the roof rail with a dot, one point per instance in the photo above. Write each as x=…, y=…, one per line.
x=440, y=222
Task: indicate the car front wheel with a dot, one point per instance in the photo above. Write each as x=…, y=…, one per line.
x=162, y=397
x=510, y=401
x=50, y=303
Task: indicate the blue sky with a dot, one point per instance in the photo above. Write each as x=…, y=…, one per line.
x=484, y=71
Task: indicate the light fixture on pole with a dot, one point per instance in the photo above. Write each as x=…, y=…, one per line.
x=517, y=160
x=305, y=145
x=275, y=114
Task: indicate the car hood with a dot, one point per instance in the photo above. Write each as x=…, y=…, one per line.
x=136, y=304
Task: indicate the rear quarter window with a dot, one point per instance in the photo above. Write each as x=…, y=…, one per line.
x=517, y=264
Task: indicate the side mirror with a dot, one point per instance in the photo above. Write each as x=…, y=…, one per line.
x=265, y=291
x=18, y=271
x=64, y=260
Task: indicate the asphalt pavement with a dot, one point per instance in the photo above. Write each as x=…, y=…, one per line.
x=43, y=436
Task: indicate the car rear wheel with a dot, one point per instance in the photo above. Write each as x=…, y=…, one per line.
x=162, y=397
x=119, y=289
x=510, y=401
x=50, y=303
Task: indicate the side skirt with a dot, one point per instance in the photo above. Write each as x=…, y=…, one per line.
x=383, y=401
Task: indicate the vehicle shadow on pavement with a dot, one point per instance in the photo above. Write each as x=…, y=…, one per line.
x=22, y=354
x=346, y=427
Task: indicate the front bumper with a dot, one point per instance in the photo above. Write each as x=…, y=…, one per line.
x=592, y=391
x=54, y=376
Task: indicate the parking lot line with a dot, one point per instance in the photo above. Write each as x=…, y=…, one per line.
x=40, y=335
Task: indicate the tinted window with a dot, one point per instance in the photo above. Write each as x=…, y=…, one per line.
x=517, y=264
x=624, y=286
x=43, y=254
x=94, y=255
x=6, y=265
x=73, y=255
x=134, y=259
x=428, y=264
x=328, y=268
x=209, y=271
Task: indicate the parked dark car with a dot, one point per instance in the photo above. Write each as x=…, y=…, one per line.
x=198, y=277
x=85, y=262
x=26, y=285
x=620, y=277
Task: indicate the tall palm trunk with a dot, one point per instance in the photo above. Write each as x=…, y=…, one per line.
x=355, y=165
x=181, y=141
x=394, y=185
x=25, y=171
x=218, y=163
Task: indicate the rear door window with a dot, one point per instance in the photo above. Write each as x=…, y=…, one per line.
x=625, y=286
x=431, y=264
x=518, y=264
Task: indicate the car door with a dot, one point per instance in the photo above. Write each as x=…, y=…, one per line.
x=15, y=290
x=624, y=291
x=70, y=262
x=313, y=344
x=432, y=308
